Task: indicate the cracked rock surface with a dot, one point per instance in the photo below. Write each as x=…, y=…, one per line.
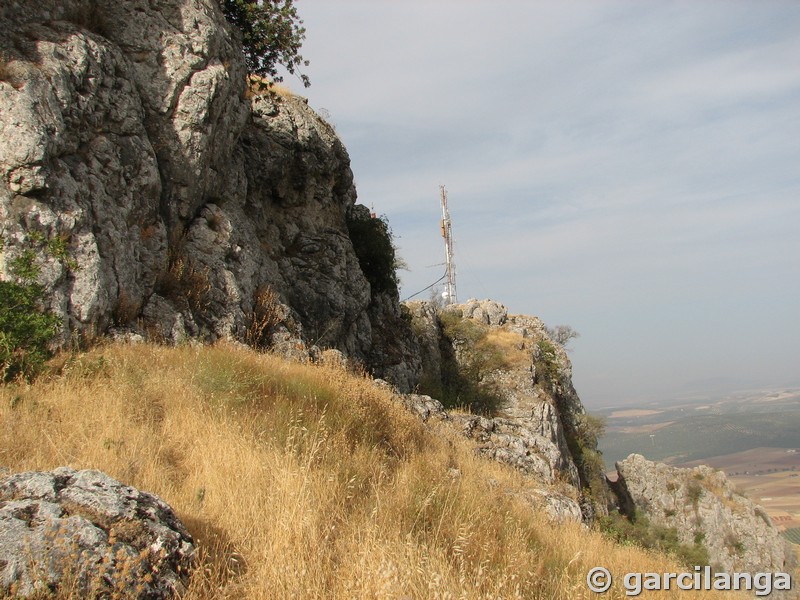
x=85, y=531
x=701, y=503
x=178, y=198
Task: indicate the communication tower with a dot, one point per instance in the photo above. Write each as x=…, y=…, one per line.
x=449, y=294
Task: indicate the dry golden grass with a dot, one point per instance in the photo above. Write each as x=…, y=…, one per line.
x=511, y=345
x=302, y=482
x=257, y=86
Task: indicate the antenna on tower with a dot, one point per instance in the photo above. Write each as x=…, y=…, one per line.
x=447, y=233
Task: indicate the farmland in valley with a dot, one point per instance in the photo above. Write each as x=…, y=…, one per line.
x=754, y=437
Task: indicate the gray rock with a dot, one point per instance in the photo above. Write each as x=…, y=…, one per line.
x=560, y=508
x=179, y=196
x=536, y=448
x=489, y=312
x=425, y=407
x=738, y=534
x=531, y=427
x=86, y=532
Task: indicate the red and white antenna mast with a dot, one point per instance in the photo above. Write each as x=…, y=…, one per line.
x=447, y=233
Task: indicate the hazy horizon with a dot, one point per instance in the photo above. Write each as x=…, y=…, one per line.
x=629, y=169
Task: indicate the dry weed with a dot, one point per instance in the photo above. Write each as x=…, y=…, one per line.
x=267, y=313
x=511, y=345
x=126, y=309
x=259, y=86
x=184, y=281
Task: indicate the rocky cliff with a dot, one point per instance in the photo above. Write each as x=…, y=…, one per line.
x=480, y=357
x=703, y=507
x=162, y=196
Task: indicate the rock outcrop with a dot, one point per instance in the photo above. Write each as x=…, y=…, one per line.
x=535, y=446
x=163, y=196
x=527, y=430
x=515, y=447
x=703, y=505
x=537, y=414
x=88, y=534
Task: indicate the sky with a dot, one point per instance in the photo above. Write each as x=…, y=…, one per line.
x=629, y=168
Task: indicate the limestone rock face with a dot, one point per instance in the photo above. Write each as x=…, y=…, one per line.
x=560, y=508
x=117, y=119
x=428, y=336
x=535, y=446
x=507, y=442
x=162, y=196
x=84, y=531
x=738, y=534
x=535, y=417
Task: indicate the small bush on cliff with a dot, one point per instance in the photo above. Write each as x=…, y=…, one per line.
x=639, y=531
x=372, y=242
x=694, y=491
x=582, y=438
x=465, y=376
x=546, y=362
x=272, y=34
x=26, y=328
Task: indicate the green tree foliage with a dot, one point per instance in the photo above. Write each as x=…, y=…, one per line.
x=694, y=491
x=582, y=438
x=546, y=363
x=374, y=247
x=272, y=34
x=26, y=329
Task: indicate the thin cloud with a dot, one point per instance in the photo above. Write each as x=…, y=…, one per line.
x=629, y=168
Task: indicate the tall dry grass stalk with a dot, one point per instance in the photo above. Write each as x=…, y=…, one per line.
x=258, y=86
x=302, y=482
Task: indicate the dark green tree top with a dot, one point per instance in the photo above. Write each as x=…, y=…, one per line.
x=272, y=35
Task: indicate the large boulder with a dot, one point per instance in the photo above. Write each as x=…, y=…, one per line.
x=487, y=311
x=86, y=533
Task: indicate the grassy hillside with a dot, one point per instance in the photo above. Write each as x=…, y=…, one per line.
x=302, y=481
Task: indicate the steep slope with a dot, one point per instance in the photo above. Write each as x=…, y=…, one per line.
x=163, y=197
x=159, y=196
x=304, y=481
